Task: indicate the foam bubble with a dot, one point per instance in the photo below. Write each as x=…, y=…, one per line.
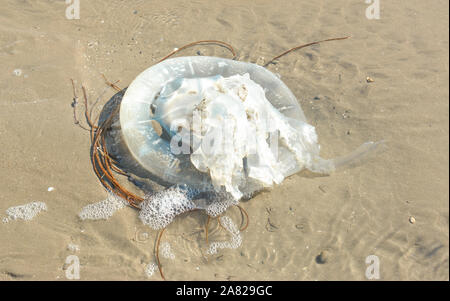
x=166, y=251
x=159, y=209
x=103, y=209
x=26, y=212
x=221, y=202
x=150, y=269
x=236, y=238
x=213, y=201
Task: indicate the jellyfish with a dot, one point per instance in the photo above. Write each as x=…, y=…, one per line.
x=212, y=130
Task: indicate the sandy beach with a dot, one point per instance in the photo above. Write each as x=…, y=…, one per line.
x=395, y=206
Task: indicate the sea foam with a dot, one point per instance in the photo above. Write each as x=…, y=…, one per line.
x=103, y=209
x=26, y=212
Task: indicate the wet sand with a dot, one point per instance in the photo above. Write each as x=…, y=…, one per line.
x=352, y=214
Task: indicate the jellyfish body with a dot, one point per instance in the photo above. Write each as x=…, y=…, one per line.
x=190, y=97
x=145, y=97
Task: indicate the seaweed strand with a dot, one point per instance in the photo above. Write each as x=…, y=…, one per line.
x=303, y=46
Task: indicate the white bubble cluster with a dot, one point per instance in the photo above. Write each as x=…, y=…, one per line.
x=26, y=212
x=159, y=209
x=220, y=205
x=166, y=251
x=236, y=238
x=150, y=269
x=103, y=209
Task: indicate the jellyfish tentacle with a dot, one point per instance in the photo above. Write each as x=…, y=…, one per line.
x=244, y=213
x=206, y=229
x=74, y=106
x=220, y=43
x=111, y=84
x=101, y=161
x=303, y=46
x=157, y=253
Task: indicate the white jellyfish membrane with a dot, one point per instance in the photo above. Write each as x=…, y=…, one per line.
x=230, y=125
x=154, y=153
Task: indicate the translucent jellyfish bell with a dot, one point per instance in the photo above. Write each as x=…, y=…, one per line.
x=143, y=94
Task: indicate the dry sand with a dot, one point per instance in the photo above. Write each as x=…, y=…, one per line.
x=353, y=214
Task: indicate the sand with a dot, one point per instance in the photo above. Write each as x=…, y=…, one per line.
x=344, y=217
